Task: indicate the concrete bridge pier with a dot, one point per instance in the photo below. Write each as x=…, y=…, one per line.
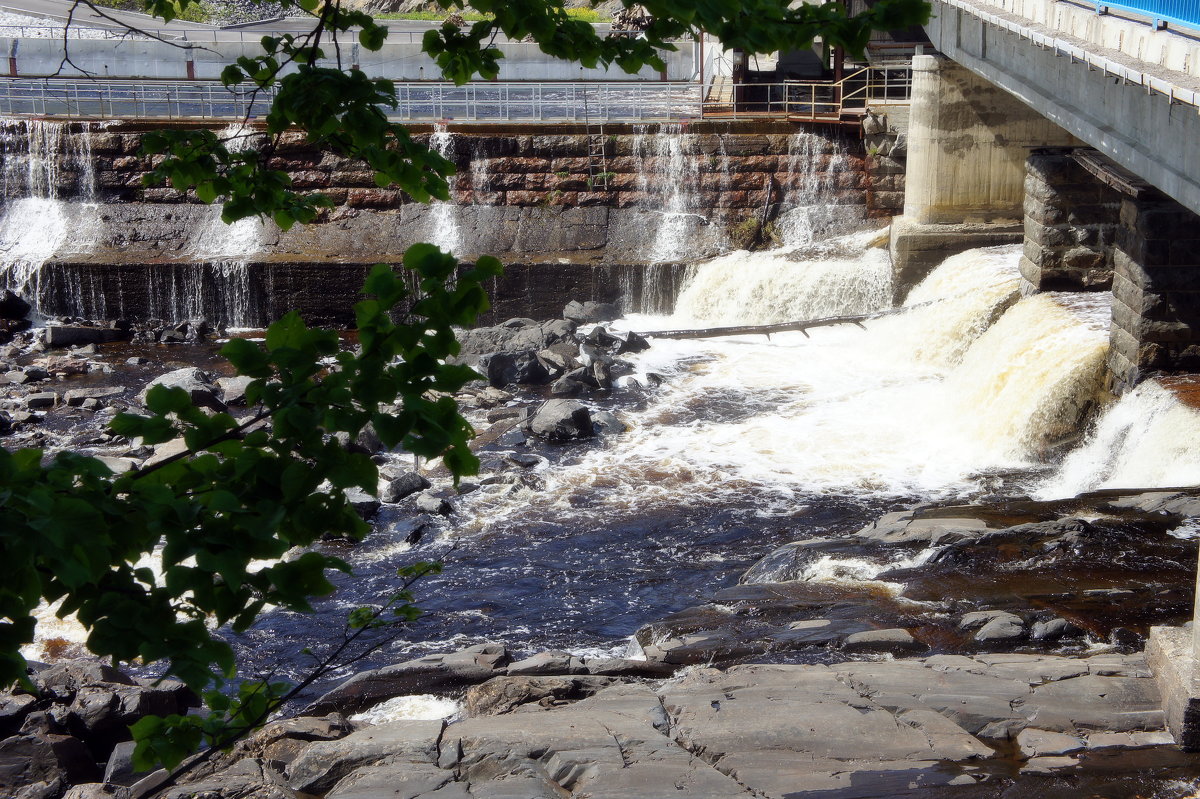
x=968, y=142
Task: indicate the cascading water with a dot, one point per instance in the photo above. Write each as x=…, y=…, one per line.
x=809, y=215
x=1147, y=439
x=444, y=230
x=41, y=159
x=751, y=442
x=678, y=173
x=786, y=286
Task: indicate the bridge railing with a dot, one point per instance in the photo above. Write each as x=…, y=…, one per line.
x=1108, y=67
x=475, y=102
x=1178, y=12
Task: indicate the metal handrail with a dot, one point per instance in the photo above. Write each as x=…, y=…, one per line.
x=1177, y=12
x=426, y=101
x=816, y=100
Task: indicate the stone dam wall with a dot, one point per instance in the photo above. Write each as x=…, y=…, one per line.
x=672, y=194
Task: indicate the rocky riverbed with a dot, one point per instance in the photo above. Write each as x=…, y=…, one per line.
x=976, y=650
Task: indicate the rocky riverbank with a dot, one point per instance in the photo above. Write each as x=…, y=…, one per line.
x=947, y=726
x=981, y=650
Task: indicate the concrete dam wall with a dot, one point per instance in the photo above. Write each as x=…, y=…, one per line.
x=83, y=235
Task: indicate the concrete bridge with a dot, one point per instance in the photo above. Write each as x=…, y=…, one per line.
x=1075, y=129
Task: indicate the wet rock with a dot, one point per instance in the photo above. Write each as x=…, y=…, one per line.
x=500, y=414
x=403, y=486
x=43, y=399
x=905, y=527
x=62, y=681
x=119, y=769
x=624, y=667
x=431, y=503
x=504, y=694
x=325, y=763
x=27, y=760
x=543, y=663
x=561, y=420
x=515, y=335
x=524, y=460
x=166, y=451
x=895, y=641
x=560, y=357
x=365, y=505
x=78, y=396
x=568, y=387
x=17, y=377
x=13, y=710
x=75, y=335
x=199, y=385
x=12, y=306
x=607, y=423
x=1036, y=743
x=993, y=626
x=591, y=312
x=633, y=343
x=508, y=368
x=233, y=389
x=513, y=438
x=1053, y=630
x=424, y=675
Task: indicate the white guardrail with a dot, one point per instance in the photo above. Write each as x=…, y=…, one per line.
x=1110, y=68
x=474, y=102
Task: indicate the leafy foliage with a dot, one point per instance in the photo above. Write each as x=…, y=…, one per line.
x=145, y=559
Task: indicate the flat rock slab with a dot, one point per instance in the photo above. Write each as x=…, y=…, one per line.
x=893, y=728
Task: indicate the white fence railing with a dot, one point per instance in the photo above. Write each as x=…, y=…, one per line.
x=475, y=102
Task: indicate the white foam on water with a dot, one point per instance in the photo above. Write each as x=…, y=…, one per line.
x=875, y=411
x=419, y=707
x=1146, y=439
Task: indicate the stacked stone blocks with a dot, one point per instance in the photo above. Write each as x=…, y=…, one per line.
x=1156, y=290
x=1071, y=221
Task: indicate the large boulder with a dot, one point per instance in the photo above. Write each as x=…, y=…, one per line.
x=586, y=313
x=199, y=384
x=509, y=368
x=561, y=420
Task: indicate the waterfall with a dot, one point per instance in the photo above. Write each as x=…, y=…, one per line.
x=813, y=163
x=892, y=409
x=444, y=230
x=668, y=155
x=958, y=301
x=40, y=160
x=1147, y=439
x=1029, y=380
x=787, y=286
